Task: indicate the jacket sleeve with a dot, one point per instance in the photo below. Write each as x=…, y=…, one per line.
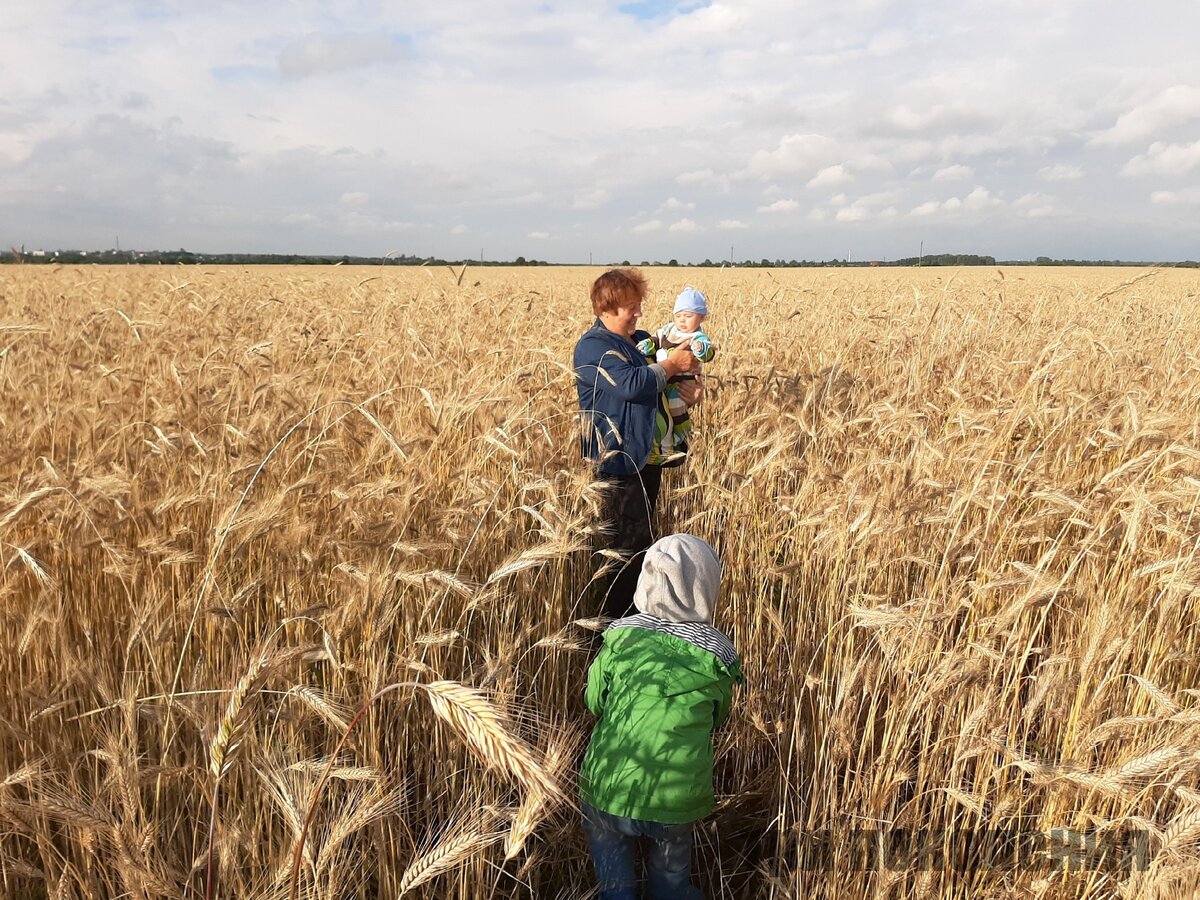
x=597, y=685
x=614, y=372
x=648, y=347
x=724, y=702
x=725, y=693
x=704, y=348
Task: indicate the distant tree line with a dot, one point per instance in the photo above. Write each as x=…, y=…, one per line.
x=946, y=259
x=1047, y=261
x=187, y=257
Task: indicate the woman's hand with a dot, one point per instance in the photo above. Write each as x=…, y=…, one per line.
x=691, y=392
x=680, y=361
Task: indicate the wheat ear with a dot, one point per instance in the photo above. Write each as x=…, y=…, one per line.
x=294, y=884
x=446, y=855
x=484, y=727
x=489, y=733
x=536, y=806
x=230, y=732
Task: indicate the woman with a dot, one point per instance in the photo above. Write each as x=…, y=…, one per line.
x=619, y=402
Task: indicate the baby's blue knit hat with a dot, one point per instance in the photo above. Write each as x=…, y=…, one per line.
x=691, y=300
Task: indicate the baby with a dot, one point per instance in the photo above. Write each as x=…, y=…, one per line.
x=675, y=423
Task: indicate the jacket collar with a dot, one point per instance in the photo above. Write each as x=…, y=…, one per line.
x=599, y=328
x=699, y=635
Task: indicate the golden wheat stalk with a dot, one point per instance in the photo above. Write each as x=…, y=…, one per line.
x=230, y=731
x=489, y=733
x=537, y=805
x=448, y=854
x=232, y=725
x=29, y=500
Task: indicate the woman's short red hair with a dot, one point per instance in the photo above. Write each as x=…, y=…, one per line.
x=618, y=289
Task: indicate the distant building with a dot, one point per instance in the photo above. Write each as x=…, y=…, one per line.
x=39, y=252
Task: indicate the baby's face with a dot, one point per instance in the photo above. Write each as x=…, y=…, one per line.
x=688, y=322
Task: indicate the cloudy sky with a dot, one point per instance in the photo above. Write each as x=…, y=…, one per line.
x=644, y=130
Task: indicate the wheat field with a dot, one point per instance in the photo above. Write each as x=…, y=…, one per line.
x=294, y=580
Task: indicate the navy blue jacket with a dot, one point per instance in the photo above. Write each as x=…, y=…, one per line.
x=618, y=411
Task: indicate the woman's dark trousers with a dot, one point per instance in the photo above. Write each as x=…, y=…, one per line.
x=627, y=527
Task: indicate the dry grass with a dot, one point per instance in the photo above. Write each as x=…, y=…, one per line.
x=957, y=510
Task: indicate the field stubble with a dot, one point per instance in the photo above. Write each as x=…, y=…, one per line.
x=957, y=513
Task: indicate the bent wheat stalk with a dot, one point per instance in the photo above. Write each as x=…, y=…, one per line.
x=484, y=728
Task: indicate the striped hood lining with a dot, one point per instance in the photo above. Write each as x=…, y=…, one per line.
x=698, y=634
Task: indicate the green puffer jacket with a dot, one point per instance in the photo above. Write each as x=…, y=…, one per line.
x=658, y=695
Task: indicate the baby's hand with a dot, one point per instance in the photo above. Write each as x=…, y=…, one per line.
x=646, y=346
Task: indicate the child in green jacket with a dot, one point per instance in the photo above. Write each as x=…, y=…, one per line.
x=662, y=682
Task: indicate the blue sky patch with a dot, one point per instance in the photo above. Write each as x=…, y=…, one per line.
x=659, y=9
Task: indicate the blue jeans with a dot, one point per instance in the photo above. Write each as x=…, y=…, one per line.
x=612, y=841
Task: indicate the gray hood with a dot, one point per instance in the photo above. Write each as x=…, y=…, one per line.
x=680, y=579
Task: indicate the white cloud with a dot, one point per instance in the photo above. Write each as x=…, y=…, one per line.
x=645, y=227
x=686, y=226
x=1185, y=197
x=831, y=176
x=941, y=118
x=980, y=198
x=532, y=198
x=699, y=176
x=354, y=198
x=459, y=229
x=879, y=206
x=795, y=153
x=1169, y=160
x=1037, y=206
x=673, y=204
x=1060, y=172
x=591, y=199
x=317, y=54
x=780, y=206
x=956, y=172
x=707, y=23
x=301, y=219
x=1175, y=106
x=878, y=163
x=732, y=225
x=887, y=43
x=360, y=222
x=539, y=235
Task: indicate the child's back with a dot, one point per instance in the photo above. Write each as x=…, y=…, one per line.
x=661, y=684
